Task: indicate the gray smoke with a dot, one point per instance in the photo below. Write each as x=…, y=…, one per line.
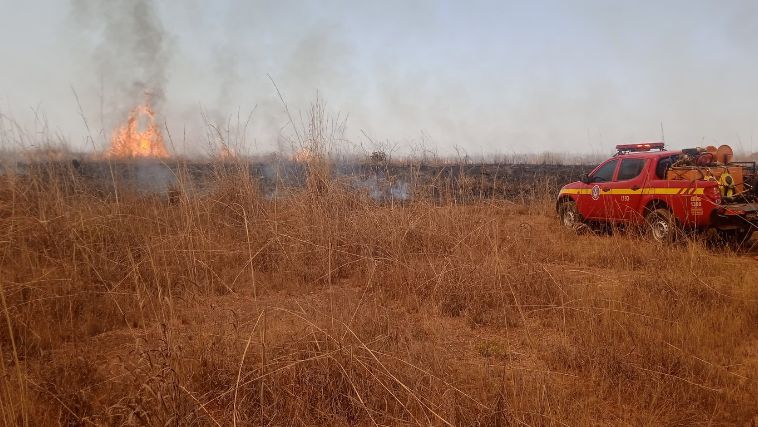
x=425, y=76
x=131, y=52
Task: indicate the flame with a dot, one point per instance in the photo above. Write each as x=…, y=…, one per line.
x=226, y=153
x=129, y=141
x=303, y=155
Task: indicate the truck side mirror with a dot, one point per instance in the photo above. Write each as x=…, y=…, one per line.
x=585, y=178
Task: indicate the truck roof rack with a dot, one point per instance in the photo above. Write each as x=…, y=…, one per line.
x=644, y=146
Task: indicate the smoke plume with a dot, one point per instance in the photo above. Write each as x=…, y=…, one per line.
x=486, y=77
x=131, y=52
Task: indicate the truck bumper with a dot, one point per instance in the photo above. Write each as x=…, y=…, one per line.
x=737, y=216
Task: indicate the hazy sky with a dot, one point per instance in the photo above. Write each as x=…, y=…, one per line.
x=487, y=77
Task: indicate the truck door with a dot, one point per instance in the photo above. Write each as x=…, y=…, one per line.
x=594, y=203
x=624, y=194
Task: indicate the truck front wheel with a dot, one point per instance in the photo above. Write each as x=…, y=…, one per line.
x=661, y=226
x=569, y=215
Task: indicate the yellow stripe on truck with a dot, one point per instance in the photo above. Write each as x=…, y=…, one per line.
x=622, y=191
x=648, y=191
x=576, y=191
x=661, y=190
x=672, y=191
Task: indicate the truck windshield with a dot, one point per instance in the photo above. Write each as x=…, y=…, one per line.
x=605, y=172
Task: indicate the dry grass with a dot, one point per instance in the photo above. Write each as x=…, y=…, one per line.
x=326, y=308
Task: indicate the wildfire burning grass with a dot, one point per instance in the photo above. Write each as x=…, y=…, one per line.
x=326, y=308
x=139, y=137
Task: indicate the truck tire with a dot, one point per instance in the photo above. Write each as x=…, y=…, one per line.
x=736, y=238
x=570, y=218
x=661, y=226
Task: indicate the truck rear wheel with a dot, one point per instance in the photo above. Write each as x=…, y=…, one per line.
x=736, y=238
x=661, y=226
x=569, y=215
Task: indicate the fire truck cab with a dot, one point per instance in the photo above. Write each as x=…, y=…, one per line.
x=665, y=192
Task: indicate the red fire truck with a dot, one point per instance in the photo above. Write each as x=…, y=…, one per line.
x=666, y=192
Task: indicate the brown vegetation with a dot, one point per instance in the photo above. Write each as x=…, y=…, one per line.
x=324, y=307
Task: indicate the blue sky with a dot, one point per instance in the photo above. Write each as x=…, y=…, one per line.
x=483, y=77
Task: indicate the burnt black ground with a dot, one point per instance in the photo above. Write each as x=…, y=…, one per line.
x=386, y=181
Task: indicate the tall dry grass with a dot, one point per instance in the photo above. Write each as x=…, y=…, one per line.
x=321, y=306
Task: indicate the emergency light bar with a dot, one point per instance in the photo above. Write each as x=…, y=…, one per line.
x=645, y=146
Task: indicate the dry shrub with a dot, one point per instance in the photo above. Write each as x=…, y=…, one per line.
x=324, y=306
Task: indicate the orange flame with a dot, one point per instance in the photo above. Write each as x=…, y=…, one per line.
x=226, y=153
x=129, y=141
x=303, y=155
